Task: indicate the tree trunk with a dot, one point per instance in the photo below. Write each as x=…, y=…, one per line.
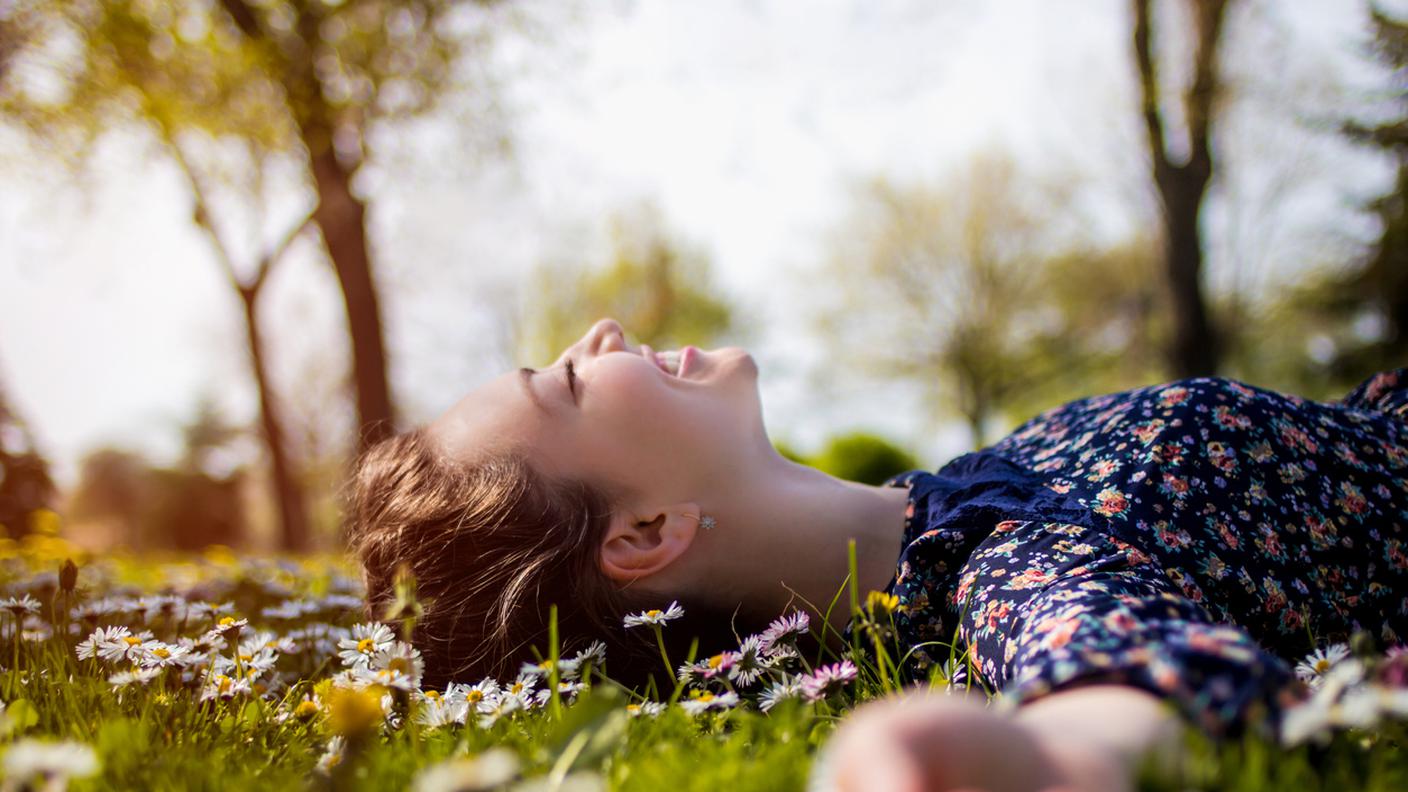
x=341, y=217
x=288, y=490
x=1195, y=350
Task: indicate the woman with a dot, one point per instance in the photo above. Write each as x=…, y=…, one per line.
x=1160, y=545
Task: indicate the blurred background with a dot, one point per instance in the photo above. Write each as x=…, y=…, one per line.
x=242, y=239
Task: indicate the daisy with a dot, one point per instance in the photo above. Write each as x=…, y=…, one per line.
x=124, y=647
x=693, y=673
x=521, y=689
x=332, y=755
x=655, y=617
x=54, y=762
x=700, y=701
x=1313, y=668
x=955, y=673
x=224, y=687
x=364, y=643
x=160, y=655
x=265, y=639
x=436, y=711
x=88, y=647
x=20, y=606
x=786, y=629
x=502, y=706
x=649, y=708
x=719, y=665
x=140, y=676
x=780, y=691
x=402, y=659
x=594, y=654
x=828, y=679
x=477, y=698
x=749, y=663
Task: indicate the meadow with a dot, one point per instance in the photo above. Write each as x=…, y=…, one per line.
x=216, y=671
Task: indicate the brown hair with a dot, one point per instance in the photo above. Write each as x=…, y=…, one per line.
x=492, y=545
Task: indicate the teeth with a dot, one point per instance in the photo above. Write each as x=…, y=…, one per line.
x=671, y=360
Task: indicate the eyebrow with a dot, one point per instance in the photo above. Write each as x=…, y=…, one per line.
x=525, y=378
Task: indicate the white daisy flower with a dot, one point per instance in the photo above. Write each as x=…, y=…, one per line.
x=400, y=658
x=20, y=606
x=128, y=648
x=699, y=701
x=436, y=710
x=332, y=755
x=955, y=673
x=264, y=639
x=654, y=617
x=1313, y=668
x=521, y=689
x=160, y=655
x=477, y=698
x=492, y=769
x=53, y=763
x=786, y=629
x=88, y=647
x=364, y=643
x=594, y=654
x=140, y=676
x=828, y=679
x=749, y=662
x=224, y=687
x=780, y=691
x=502, y=705
x=650, y=709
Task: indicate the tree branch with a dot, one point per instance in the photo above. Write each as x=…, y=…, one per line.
x=202, y=213
x=1201, y=95
x=1149, y=89
x=276, y=254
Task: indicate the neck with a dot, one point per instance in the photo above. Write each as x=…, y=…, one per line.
x=782, y=540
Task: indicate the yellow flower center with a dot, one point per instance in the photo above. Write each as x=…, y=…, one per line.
x=227, y=621
x=633, y=707
x=366, y=645
x=130, y=641
x=652, y=614
x=716, y=661
x=244, y=658
x=161, y=652
x=517, y=688
x=305, y=710
x=1322, y=665
x=400, y=665
x=224, y=683
x=474, y=696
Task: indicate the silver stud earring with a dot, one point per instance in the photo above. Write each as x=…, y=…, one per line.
x=706, y=522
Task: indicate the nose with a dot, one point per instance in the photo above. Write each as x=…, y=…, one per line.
x=605, y=336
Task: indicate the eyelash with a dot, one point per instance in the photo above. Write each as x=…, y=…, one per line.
x=571, y=377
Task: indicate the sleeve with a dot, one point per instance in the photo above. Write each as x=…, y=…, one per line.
x=1069, y=606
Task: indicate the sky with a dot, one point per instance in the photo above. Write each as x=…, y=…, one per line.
x=745, y=121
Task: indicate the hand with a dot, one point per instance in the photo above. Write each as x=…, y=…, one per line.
x=922, y=742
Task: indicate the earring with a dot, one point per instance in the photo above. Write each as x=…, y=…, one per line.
x=707, y=522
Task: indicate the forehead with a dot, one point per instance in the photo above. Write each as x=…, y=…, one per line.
x=495, y=416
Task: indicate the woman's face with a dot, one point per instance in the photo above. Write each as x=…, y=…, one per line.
x=626, y=422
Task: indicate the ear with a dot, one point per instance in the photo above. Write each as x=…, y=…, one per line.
x=639, y=544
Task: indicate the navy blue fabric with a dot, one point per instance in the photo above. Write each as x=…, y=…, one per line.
x=1192, y=539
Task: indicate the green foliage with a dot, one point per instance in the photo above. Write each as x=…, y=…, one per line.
x=978, y=290
x=867, y=458
x=660, y=289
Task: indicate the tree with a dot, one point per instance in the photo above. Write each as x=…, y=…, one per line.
x=235, y=94
x=25, y=485
x=1181, y=185
x=305, y=82
x=940, y=286
x=863, y=457
x=660, y=289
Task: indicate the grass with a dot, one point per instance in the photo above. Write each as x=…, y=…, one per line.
x=161, y=735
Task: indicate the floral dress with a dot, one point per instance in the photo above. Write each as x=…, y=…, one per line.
x=1187, y=539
